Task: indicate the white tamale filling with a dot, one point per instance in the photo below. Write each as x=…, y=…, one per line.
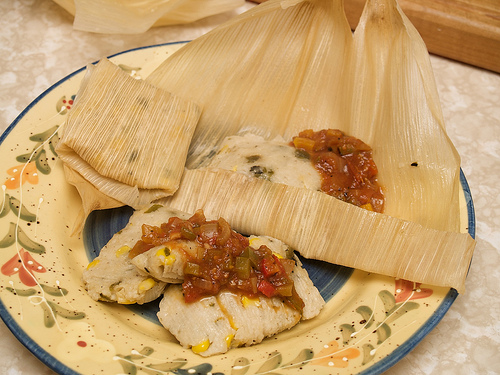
x=273, y=160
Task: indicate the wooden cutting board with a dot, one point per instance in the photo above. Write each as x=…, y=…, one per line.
x=464, y=30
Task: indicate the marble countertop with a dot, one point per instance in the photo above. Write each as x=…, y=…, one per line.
x=38, y=47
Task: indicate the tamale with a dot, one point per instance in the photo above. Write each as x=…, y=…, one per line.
x=214, y=324
x=126, y=139
x=322, y=227
x=302, y=68
x=112, y=277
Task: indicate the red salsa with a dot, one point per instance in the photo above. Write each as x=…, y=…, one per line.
x=224, y=261
x=345, y=164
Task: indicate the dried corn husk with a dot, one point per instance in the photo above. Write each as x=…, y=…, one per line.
x=303, y=68
x=325, y=228
x=125, y=138
x=287, y=65
x=133, y=17
x=92, y=198
x=397, y=109
x=260, y=69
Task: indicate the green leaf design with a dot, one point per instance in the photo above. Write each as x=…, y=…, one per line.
x=44, y=136
x=27, y=243
x=383, y=332
x=387, y=299
x=65, y=313
x=347, y=330
x=54, y=291
x=147, y=351
x=26, y=158
x=23, y=239
x=10, y=238
x=240, y=366
x=5, y=208
x=53, y=143
x=22, y=292
x=367, y=315
x=400, y=309
x=48, y=315
x=273, y=362
x=368, y=355
x=128, y=367
x=42, y=163
x=302, y=358
x=25, y=214
x=51, y=310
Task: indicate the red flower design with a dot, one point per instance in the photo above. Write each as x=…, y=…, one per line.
x=23, y=264
x=408, y=290
x=67, y=103
x=63, y=105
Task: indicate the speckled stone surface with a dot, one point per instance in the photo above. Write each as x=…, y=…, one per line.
x=38, y=47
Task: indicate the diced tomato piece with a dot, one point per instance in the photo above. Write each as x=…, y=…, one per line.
x=268, y=267
x=266, y=288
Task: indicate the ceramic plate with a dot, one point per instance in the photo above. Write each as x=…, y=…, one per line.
x=369, y=323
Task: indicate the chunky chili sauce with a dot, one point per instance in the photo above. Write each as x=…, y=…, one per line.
x=225, y=260
x=346, y=165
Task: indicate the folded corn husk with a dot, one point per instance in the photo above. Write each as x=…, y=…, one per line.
x=125, y=141
x=133, y=17
x=325, y=228
x=288, y=65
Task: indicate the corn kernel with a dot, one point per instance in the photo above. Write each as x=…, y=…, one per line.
x=122, y=250
x=229, y=340
x=169, y=260
x=166, y=259
x=94, y=263
x=277, y=255
x=161, y=252
x=246, y=301
x=126, y=302
x=201, y=347
x=147, y=284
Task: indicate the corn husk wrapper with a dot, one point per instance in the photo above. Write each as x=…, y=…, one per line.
x=92, y=198
x=325, y=228
x=288, y=65
x=134, y=17
x=125, y=140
